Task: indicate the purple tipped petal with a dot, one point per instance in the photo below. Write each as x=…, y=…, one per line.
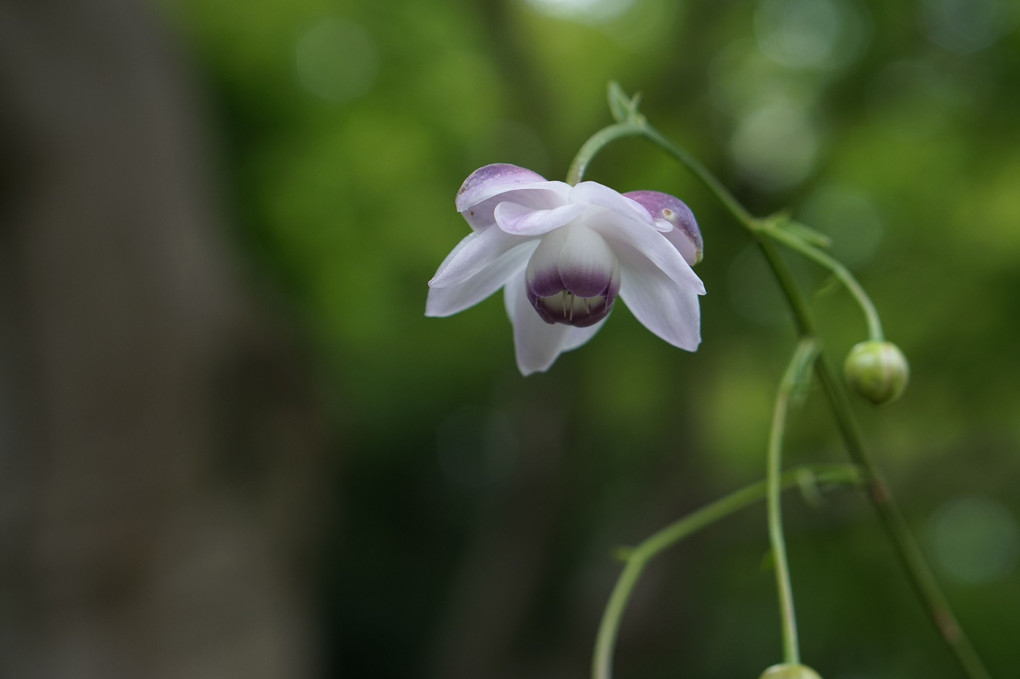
x=489, y=186
x=573, y=277
x=568, y=309
x=575, y=259
x=643, y=242
x=587, y=265
x=486, y=182
x=538, y=344
x=683, y=233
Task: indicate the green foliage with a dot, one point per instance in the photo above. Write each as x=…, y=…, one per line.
x=341, y=168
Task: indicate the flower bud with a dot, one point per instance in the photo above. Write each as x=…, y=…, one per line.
x=878, y=371
x=790, y=672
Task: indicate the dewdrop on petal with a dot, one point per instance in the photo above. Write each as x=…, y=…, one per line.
x=790, y=672
x=878, y=371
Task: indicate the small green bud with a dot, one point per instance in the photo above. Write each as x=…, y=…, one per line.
x=878, y=371
x=790, y=672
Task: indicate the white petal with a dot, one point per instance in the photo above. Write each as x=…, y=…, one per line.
x=626, y=223
x=487, y=187
x=635, y=240
x=667, y=308
x=537, y=344
x=474, y=253
x=525, y=220
x=448, y=300
x=578, y=336
x=593, y=193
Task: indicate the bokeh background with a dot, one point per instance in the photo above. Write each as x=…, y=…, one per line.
x=232, y=445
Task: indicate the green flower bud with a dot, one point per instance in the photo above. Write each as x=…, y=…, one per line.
x=878, y=371
x=790, y=672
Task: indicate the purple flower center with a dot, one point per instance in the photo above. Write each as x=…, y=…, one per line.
x=573, y=277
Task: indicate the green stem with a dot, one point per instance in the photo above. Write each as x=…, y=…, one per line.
x=806, y=353
x=638, y=558
x=909, y=554
x=837, y=268
x=918, y=572
x=638, y=126
x=598, y=141
x=721, y=193
x=756, y=226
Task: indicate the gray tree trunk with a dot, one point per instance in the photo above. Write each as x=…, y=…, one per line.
x=160, y=453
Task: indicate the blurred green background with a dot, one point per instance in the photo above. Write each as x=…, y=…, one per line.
x=472, y=513
x=477, y=509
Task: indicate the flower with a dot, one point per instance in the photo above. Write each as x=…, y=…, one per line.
x=563, y=254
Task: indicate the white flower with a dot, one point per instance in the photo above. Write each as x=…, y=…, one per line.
x=563, y=253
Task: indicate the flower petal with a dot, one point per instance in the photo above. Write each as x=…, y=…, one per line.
x=488, y=186
x=488, y=181
x=577, y=337
x=452, y=298
x=593, y=193
x=576, y=259
x=524, y=220
x=474, y=253
x=537, y=344
x=667, y=308
x=682, y=229
x=587, y=265
x=635, y=239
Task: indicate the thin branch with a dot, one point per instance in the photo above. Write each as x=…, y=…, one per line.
x=807, y=352
x=909, y=554
x=637, y=558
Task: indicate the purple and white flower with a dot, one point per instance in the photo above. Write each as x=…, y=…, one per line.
x=564, y=253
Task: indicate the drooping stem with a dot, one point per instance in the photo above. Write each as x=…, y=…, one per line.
x=838, y=269
x=918, y=572
x=597, y=142
x=638, y=126
x=710, y=181
x=758, y=226
x=806, y=353
x=909, y=554
x=637, y=558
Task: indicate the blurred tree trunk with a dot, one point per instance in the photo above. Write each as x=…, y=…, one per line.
x=160, y=449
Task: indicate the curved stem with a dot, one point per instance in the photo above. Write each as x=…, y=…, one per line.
x=806, y=353
x=721, y=193
x=598, y=141
x=638, y=126
x=920, y=575
x=638, y=558
x=918, y=572
x=838, y=269
x=909, y=554
x=757, y=225
x=605, y=642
